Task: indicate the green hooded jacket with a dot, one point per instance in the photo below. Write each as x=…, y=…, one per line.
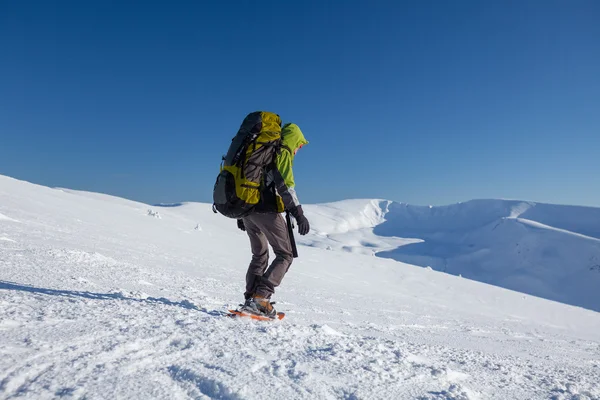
x=292, y=139
x=281, y=178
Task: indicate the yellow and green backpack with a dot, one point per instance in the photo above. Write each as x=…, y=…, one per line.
x=238, y=187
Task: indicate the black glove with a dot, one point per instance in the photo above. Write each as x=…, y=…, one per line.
x=240, y=224
x=303, y=225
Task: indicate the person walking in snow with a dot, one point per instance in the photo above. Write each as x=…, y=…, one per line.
x=266, y=226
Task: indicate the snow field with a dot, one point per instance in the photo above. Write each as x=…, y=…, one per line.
x=100, y=300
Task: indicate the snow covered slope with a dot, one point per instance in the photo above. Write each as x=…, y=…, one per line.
x=103, y=298
x=550, y=251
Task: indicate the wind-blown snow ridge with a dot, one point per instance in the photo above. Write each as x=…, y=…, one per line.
x=349, y=226
x=99, y=300
x=519, y=209
x=5, y=218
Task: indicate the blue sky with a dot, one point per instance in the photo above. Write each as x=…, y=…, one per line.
x=426, y=102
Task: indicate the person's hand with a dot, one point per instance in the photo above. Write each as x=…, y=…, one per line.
x=240, y=225
x=303, y=225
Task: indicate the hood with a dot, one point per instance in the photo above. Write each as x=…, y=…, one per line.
x=292, y=137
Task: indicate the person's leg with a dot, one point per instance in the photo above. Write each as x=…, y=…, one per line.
x=274, y=228
x=260, y=256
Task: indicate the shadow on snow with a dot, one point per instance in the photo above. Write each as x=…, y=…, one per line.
x=4, y=285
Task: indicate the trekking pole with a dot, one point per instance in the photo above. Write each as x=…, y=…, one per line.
x=290, y=228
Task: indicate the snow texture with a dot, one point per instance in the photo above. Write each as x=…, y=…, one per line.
x=98, y=301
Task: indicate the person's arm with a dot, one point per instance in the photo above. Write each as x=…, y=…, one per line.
x=283, y=177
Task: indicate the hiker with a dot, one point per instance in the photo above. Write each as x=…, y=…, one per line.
x=255, y=186
x=266, y=225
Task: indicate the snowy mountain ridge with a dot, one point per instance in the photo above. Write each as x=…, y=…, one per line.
x=551, y=251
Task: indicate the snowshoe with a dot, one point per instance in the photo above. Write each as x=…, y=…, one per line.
x=258, y=307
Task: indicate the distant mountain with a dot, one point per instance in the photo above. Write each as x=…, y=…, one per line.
x=551, y=251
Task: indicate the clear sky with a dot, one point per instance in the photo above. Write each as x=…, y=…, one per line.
x=426, y=102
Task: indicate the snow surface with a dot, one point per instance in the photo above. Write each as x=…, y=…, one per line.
x=100, y=300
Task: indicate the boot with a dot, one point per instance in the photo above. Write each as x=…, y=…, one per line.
x=264, y=306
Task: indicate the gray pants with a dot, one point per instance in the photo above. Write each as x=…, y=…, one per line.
x=265, y=229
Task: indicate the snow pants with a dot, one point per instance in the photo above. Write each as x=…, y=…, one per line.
x=265, y=229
